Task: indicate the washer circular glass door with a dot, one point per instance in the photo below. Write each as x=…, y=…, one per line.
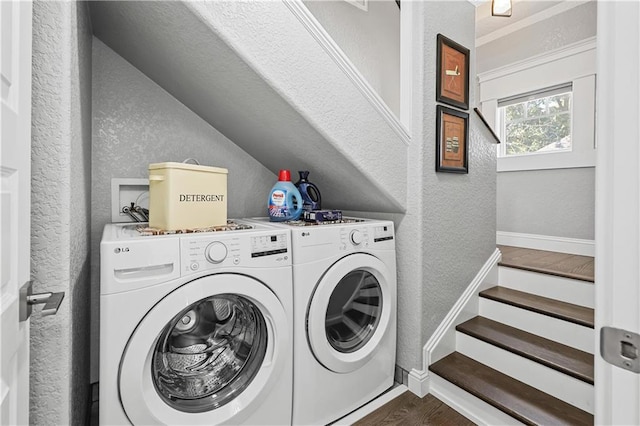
x=350, y=312
x=206, y=353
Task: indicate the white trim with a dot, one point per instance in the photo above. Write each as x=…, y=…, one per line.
x=369, y=408
x=549, y=70
x=617, y=203
x=529, y=20
x=443, y=339
x=312, y=25
x=419, y=382
x=471, y=407
x=548, y=243
x=453, y=316
x=575, y=63
x=547, y=161
x=583, y=153
x=541, y=59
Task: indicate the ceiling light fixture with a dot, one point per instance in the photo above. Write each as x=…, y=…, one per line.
x=501, y=8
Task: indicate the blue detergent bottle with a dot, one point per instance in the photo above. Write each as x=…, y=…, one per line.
x=285, y=201
x=311, y=198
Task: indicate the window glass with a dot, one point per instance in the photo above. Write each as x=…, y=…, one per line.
x=537, y=123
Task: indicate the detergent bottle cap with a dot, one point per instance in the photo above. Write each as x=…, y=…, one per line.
x=284, y=176
x=304, y=174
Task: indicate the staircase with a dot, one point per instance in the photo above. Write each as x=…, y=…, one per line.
x=528, y=355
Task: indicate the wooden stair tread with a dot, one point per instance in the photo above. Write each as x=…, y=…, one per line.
x=548, y=262
x=517, y=399
x=565, y=359
x=565, y=311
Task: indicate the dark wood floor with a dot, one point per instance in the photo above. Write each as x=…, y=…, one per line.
x=548, y=262
x=407, y=409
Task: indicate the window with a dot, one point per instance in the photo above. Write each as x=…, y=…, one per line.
x=543, y=109
x=536, y=122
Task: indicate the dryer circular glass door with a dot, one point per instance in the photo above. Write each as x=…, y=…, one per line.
x=350, y=312
x=206, y=353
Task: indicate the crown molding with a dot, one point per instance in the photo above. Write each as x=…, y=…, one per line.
x=543, y=58
x=528, y=21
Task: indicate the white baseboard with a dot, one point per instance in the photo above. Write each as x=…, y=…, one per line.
x=549, y=243
x=419, y=382
x=442, y=342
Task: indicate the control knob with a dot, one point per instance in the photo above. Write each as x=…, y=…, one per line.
x=356, y=237
x=216, y=252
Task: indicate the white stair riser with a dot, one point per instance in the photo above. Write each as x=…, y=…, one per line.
x=561, y=331
x=564, y=387
x=466, y=404
x=559, y=288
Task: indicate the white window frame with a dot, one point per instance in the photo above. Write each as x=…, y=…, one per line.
x=575, y=64
x=522, y=99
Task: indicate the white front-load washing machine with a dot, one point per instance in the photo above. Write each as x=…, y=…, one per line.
x=344, y=286
x=196, y=328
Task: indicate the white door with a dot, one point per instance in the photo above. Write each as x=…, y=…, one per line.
x=617, y=206
x=15, y=206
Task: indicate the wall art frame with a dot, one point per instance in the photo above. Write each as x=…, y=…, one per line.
x=452, y=73
x=452, y=144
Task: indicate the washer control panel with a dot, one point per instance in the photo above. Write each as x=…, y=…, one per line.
x=358, y=237
x=205, y=252
x=361, y=237
x=269, y=245
x=216, y=252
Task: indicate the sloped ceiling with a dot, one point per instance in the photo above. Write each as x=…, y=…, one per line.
x=257, y=75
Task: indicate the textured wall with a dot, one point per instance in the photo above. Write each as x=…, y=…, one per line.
x=569, y=27
x=559, y=202
x=545, y=202
x=135, y=122
x=459, y=211
x=254, y=72
x=61, y=144
x=371, y=40
x=448, y=231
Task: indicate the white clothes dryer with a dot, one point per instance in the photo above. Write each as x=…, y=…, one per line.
x=344, y=281
x=196, y=328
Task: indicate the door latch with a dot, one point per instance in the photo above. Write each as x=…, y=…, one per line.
x=51, y=301
x=620, y=348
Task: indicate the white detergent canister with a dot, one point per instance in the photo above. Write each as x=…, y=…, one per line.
x=285, y=201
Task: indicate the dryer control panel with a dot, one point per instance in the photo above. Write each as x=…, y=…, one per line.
x=382, y=232
x=206, y=252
